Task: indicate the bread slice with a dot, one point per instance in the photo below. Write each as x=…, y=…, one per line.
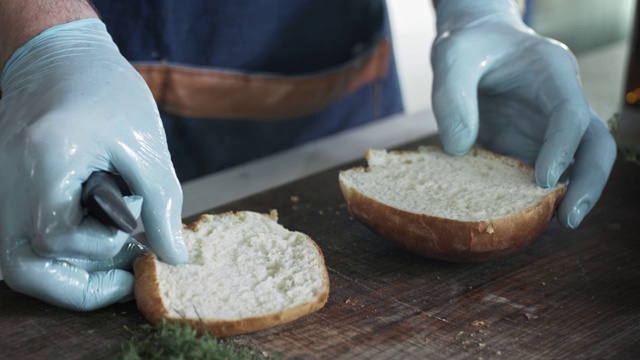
x=475, y=207
x=245, y=273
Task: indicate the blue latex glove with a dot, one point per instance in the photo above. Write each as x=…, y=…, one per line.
x=517, y=93
x=72, y=105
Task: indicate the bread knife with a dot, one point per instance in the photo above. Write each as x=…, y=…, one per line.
x=102, y=198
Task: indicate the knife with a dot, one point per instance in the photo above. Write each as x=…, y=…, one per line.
x=102, y=198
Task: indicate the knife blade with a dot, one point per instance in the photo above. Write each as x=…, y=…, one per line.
x=102, y=198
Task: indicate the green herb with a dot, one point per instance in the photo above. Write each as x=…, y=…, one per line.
x=174, y=341
x=624, y=153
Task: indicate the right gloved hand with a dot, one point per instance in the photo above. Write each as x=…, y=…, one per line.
x=519, y=94
x=71, y=105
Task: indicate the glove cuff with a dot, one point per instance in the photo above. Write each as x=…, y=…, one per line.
x=56, y=38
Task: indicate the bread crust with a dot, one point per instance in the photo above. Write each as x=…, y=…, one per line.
x=150, y=304
x=450, y=239
x=147, y=289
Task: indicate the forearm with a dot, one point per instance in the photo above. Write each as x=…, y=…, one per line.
x=21, y=20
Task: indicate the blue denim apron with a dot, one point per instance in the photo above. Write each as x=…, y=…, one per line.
x=236, y=80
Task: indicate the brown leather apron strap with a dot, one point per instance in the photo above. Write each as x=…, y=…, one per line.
x=215, y=94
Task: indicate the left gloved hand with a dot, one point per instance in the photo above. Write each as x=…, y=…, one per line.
x=518, y=93
x=73, y=105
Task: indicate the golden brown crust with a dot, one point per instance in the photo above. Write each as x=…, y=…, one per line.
x=147, y=289
x=149, y=301
x=449, y=239
x=194, y=225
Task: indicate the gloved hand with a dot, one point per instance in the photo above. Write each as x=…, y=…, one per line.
x=72, y=105
x=517, y=93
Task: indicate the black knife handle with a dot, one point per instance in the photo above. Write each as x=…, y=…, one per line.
x=102, y=197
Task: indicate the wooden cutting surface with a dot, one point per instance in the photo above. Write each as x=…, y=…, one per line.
x=569, y=295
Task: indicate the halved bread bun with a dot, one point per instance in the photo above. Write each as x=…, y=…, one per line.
x=245, y=273
x=476, y=207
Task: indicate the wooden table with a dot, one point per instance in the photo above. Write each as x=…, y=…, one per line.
x=569, y=295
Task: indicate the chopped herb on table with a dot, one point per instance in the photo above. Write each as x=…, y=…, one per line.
x=175, y=341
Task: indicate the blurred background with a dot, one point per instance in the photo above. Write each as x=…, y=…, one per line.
x=582, y=24
x=597, y=31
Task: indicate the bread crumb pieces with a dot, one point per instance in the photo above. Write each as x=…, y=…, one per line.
x=490, y=229
x=295, y=200
x=478, y=323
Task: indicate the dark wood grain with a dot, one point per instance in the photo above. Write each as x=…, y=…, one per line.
x=569, y=295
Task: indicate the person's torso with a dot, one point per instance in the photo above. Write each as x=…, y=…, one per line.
x=267, y=36
x=264, y=75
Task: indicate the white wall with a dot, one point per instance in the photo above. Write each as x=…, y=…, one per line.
x=413, y=28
